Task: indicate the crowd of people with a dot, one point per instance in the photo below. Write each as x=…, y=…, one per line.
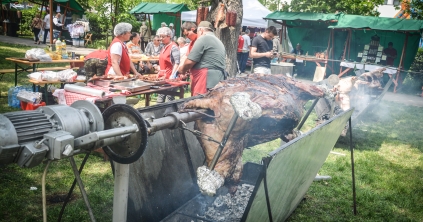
x=199, y=54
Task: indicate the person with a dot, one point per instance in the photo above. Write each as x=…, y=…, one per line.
x=207, y=60
x=183, y=46
x=239, y=50
x=168, y=60
x=276, y=44
x=297, y=50
x=57, y=26
x=172, y=29
x=153, y=48
x=189, y=30
x=36, y=25
x=261, y=50
x=163, y=24
x=298, y=64
x=46, y=27
x=144, y=35
x=245, y=50
x=133, y=44
x=118, y=62
x=391, y=54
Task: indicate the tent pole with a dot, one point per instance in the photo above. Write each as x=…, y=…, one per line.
x=328, y=49
x=63, y=19
x=51, y=20
x=345, y=50
x=333, y=40
x=149, y=24
x=401, y=61
x=349, y=42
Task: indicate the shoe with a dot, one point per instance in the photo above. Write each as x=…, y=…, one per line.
x=38, y=43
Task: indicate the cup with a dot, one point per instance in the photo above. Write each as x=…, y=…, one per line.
x=81, y=57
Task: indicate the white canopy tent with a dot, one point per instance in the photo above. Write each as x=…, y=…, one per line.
x=253, y=14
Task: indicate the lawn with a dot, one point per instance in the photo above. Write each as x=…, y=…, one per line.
x=388, y=163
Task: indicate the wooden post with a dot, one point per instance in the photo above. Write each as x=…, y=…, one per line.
x=149, y=24
x=333, y=47
x=328, y=49
x=349, y=42
x=51, y=20
x=64, y=18
x=345, y=50
x=401, y=62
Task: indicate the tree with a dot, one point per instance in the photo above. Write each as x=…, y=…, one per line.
x=228, y=35
x=355, y=7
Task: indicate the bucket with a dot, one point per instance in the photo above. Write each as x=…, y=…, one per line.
x=282, y=68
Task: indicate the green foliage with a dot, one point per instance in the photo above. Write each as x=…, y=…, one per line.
x=27, y=16
x=355, y=7
x=414, y=81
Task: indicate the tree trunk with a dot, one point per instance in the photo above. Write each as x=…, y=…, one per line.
x=228, y=35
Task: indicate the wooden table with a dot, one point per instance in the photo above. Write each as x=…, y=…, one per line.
x=167, y=90
x=22, y=65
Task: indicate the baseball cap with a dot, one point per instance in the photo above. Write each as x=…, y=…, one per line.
x=164, y=23
x=171, y=24
x=206, y=24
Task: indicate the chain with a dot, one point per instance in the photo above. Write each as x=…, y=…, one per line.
x=197, y=133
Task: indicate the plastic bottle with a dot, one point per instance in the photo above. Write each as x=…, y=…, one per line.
x=58, y=45
x=64, y=51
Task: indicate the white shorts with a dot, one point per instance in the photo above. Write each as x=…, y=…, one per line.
x=262, y=70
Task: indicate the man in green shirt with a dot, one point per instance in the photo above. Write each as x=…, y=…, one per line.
x=206, y=60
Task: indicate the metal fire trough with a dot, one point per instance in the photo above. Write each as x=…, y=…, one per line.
x=162, y=182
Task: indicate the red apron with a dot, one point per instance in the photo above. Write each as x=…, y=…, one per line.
x=125, y=61
x=191, y=44
x=199, y=81
x=165, y=62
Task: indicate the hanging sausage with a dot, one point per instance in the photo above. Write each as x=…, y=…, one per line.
x=200, y=12
x=205, y=13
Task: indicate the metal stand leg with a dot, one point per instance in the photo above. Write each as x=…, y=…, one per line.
x=81, y=187
x=120, y=195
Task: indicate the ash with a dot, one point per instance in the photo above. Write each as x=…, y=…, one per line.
x=230, y=208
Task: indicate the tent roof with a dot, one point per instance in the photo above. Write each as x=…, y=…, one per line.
x=72, y=4
x=155, y=8
x=378, y=23
x=253, y=14
x=352, y=21
x=304, y=16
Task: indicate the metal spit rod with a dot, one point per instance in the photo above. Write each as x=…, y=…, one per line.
x=172, y=120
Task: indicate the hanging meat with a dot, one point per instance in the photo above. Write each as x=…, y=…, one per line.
x=281, y=100
x=220, y=16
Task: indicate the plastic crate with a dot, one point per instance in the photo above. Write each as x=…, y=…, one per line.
x=30, y=106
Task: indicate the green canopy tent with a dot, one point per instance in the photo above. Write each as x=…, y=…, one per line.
x=338, y=31
x=162, y=13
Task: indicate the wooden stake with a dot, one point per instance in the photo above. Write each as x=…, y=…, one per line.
x=401, y=62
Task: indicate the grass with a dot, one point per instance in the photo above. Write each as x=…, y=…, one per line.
x=388, y=150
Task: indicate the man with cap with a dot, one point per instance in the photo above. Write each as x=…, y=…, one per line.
x=206, y=60
x=172, y=29
x=163, y=24
x=261, y=51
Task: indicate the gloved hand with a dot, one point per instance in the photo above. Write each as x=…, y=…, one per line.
x=174, y=75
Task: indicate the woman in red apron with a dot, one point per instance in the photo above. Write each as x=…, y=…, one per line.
x=118, y=62
x=168, y=60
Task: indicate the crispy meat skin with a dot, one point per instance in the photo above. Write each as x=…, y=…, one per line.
x=281, y=100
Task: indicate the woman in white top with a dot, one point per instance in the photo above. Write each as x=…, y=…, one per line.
x=118, y=61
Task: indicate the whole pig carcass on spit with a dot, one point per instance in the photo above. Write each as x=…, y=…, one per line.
x=281, y=100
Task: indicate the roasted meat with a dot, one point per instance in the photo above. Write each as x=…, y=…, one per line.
x=281, y=100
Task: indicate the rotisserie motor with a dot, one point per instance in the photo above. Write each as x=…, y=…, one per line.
x=281, y=100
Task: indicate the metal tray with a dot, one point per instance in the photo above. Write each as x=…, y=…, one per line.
x=106, y=82
x=132, y=86
x=156, y=83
